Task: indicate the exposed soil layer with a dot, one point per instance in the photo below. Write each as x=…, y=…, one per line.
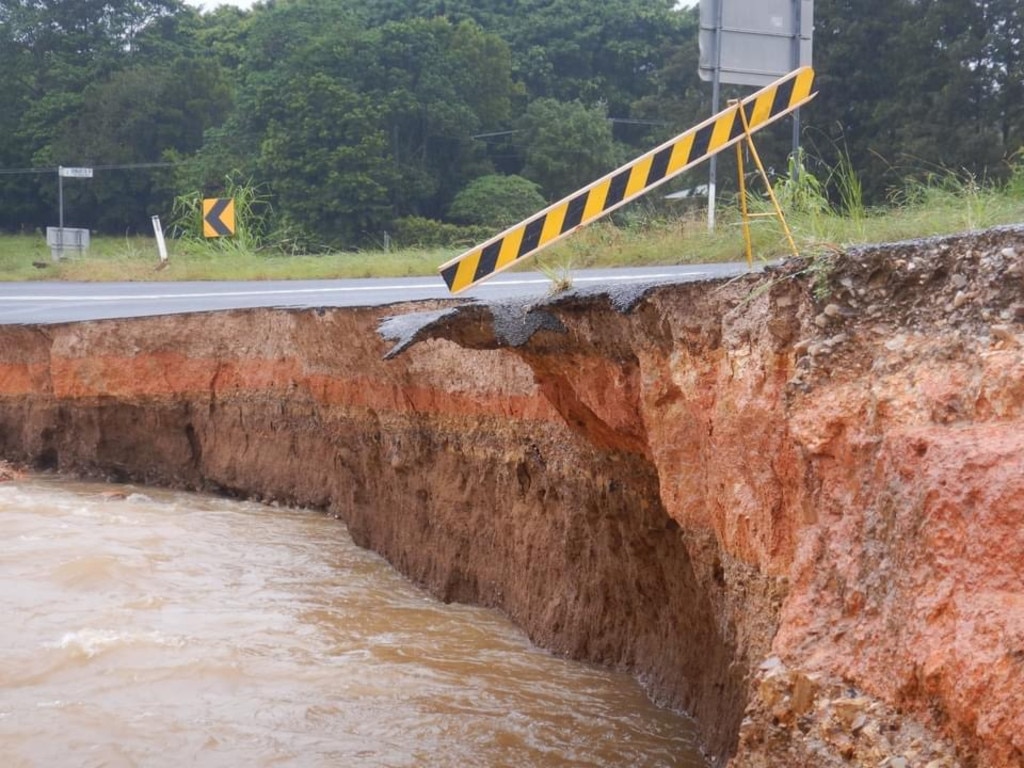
x=792, y=504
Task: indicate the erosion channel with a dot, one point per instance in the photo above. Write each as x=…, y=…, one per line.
x=791, y=504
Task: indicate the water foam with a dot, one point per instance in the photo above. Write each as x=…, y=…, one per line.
x=89, y=642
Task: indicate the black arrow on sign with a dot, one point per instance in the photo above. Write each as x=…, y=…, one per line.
x=213, y=217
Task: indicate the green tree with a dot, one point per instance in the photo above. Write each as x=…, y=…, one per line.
x=496, y=201
x=138, y=117
x=19, y=203
x=328, y=164
x=223, y=34
x=566, y=145
x=857, y=65
x=592, y=50
x=1002, y=69
x=941, y=113
x=914, y=87
x=414, y=94
x=101, y=83
x=442, y=83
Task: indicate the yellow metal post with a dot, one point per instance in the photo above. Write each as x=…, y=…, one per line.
x=743, y=206
x=768, y=186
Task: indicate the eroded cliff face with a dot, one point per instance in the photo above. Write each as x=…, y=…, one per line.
x=792, y=504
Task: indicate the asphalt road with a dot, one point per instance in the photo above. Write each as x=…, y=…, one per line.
x=61, y=302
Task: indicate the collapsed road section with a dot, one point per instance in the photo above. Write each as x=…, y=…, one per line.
x=790, y=503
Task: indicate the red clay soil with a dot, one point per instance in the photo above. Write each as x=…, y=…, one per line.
x=792, y=504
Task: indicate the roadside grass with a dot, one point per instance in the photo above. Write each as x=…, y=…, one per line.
x=26, y=257
x=943, y=204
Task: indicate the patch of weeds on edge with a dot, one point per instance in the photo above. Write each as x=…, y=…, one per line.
x=560, y=276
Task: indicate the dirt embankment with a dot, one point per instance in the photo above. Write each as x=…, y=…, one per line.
x=792, y=504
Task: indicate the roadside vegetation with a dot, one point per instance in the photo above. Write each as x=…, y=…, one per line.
x=369, y=127
x=643, y=233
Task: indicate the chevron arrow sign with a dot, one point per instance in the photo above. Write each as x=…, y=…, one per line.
x=218, y=217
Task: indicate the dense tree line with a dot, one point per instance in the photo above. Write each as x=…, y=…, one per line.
x=355, y=116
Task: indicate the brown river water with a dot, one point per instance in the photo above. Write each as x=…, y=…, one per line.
x=172, y=629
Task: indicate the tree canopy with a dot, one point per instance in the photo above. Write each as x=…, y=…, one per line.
x=355, y=115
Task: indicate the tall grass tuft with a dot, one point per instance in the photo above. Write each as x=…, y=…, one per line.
x=800, y=191
x=848, y=187
x=559, y=275
x=1015, y=184
x=252, y=216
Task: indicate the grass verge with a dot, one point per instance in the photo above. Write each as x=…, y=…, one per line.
x=941, y=205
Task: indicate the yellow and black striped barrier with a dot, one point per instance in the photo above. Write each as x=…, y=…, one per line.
x=628, y=182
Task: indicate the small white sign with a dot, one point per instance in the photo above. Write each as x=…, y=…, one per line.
x=76, y=173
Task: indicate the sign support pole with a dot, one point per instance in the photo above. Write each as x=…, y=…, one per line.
x=798, y=29
x=60, y=215
x=715, y=100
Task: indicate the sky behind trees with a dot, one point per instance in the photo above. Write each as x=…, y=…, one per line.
x=209, y=5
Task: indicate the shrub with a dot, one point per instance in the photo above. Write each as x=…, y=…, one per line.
x=496, y=201
x=413, y=231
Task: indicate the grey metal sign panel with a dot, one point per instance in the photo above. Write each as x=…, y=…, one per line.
x=64, y=239
x=761, y=39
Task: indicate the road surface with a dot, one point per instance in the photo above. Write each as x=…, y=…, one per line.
x=61, y=302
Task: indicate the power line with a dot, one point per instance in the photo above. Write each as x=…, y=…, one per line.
x=496, y=133
x=12, y=171
x=133, y=165
x=117, y=167
x=634, y=121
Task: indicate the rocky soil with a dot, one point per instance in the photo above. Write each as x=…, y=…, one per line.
x=791, y=504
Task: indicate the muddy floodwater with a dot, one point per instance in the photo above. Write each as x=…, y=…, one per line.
x=150, y=628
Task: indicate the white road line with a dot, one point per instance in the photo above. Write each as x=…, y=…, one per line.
x=498, y=283
x=432, y=286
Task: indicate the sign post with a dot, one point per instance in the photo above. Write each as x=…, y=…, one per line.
x=716, y=96
x=62, y=173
